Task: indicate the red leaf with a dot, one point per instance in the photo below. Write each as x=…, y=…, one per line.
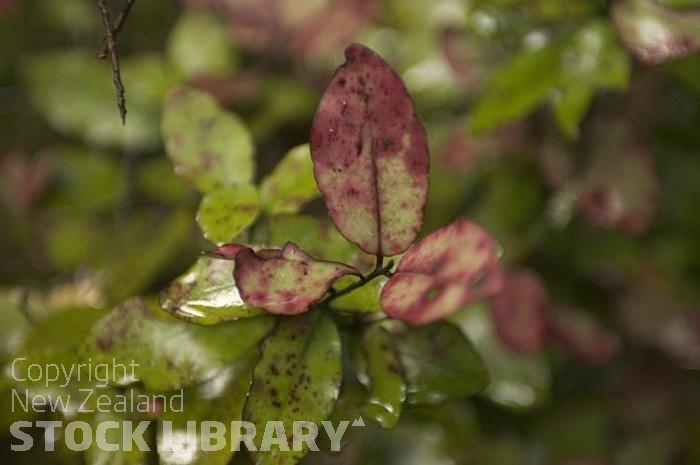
x=583, y=336
x=370, y=155
x=284, y=281
x=443, y=272
x=519, y=310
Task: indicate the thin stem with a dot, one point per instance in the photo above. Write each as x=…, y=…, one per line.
x=379, y=270
x=118, y=25
x=108, y=40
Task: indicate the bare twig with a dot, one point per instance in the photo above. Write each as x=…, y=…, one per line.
x=116, y=29
x=111, y=49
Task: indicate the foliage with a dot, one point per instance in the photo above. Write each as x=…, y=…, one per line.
x=478, y=233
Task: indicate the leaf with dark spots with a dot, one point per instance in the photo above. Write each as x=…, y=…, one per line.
x=387, y=386
x=370, y=155
x=519, y=312
x=619, y=189
x=304, y=351
x=656, y=34
x=208, y=146
x=284, y=281
x=442, y=273
x=221, y=399
x=168, y=354
x=206, y=294
x=582, y=335
x=224, y=213
x=439, y=363
x=291, y=184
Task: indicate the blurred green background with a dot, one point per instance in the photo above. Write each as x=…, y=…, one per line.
x=569, y=129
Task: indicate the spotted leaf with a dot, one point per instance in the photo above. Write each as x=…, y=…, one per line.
x=284, y=281
x=224, y=213
x=443, y=272
x=654, y=33
x=370, y=155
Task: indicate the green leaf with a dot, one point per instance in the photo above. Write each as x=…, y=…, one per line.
x=220, y=399
x=680, y=3
x=364, y=299
x=318, y=237
x=517, y=382
x=85, y=179
x=96, y=455
x=206, y=294
x=284, y=281
x=297, y=379
x=136, y=254
x=200, y=45
x=291, y=184
x=14, y=325
x=656, y=34
x=519, y=86
x=591, y=60
x=439, y=364
x=80, y=100
x=443, y=272
x=224, y=213
x=387, y=386
x=169, y=354
x=370, y=155
x=56, y=340
x=208, y=146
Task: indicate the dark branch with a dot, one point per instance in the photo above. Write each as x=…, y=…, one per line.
x=111, y=49
x=116, y=29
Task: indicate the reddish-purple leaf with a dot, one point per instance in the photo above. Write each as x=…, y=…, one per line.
x=654, y=33
x=284, y=281
x=443, y=272
x=370, y=155
x=619, y=188
x=519, y=310
x=580, y=333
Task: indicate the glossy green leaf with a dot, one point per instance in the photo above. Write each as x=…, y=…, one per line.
x=443, y=272
x=297, y=379
x=518, y=382
x=224, y=213
x=317, y=236
x=291, y=184
x=206, y=294
x=284, y=281
x=169, y=353
x=370, y=155
x=209, y=146
x=79, y=100
x=654, y=33
x=96, y=455
x=220, y=399
x=439, y=364
x=200, y=45
x=387, y=386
